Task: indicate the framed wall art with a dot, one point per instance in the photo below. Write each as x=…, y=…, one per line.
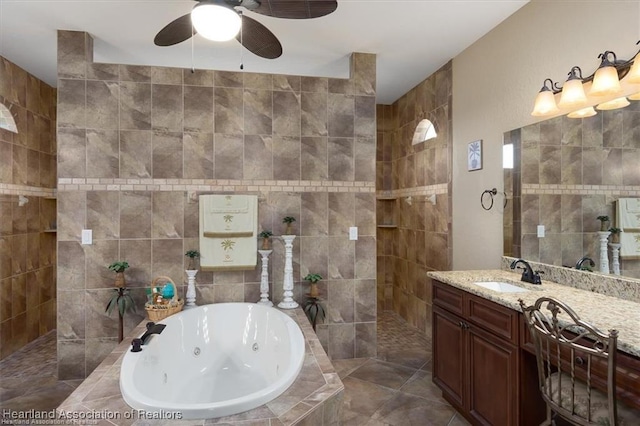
x=474, y=155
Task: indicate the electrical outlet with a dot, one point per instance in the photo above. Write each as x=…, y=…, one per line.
x=87, y=236
x=540, y=231
x=353, y=233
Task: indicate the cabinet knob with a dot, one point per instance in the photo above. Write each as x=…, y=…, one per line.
x=461, y=324
x=579, y=360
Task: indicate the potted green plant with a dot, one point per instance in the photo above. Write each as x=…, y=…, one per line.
x=289, y=221
x=603, y=223
x=193, y=256
x=121, y=297
x=312, y=306
x=615, y=235
x=265, y=235
x=119, y=267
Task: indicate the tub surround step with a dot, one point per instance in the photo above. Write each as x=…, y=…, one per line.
x=315, y=396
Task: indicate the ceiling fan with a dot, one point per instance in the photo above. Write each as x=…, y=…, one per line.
x=220, y=20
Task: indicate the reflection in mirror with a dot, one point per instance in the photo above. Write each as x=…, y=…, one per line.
x=6, y=119
x=566, y=173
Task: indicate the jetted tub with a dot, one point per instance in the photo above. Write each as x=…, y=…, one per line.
x=214, y=360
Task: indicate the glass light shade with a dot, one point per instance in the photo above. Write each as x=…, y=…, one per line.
x=572, y=95
x=614, y=104
x=634, y=72
x=635, y=97
x=605, y=82
x=583, y=113
x=214, y=22
x=545, y=104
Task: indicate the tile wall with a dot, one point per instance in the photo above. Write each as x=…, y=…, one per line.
x=567, y=173
x=409, y=174
x=28, y=168
x=137, y=142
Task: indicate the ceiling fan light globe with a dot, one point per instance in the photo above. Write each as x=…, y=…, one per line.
x=215, y=22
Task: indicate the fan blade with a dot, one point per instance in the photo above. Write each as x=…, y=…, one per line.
x=296, y=9
x=258, y=39
x=175, y=32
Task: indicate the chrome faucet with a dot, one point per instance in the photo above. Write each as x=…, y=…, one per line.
x=152, y=328
x=585, y=259
x=528, y=274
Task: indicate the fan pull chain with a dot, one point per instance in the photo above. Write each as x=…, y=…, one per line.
x=241, y=45
x=193, y=35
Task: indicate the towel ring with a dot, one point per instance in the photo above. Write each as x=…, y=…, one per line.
x=491, y=192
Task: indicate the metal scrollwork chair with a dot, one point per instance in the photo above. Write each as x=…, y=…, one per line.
x=567, y=352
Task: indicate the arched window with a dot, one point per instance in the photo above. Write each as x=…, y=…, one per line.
x=6, y=119
x=424, y=131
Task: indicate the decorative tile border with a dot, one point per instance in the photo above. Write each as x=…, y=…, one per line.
x=441, y=188
x=223, y=185
x=34, y=191
x=612, y=190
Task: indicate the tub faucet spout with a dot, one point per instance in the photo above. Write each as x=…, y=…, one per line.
x=152, y=328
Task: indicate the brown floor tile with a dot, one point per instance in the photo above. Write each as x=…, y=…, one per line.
x=365, y=397
x=344, y=367
x=383, y=373
x=420, y=384
x=28, y=377
x=458, y=420
x=409, y=410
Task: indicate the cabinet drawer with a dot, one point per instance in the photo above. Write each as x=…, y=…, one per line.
x=495, y=318
x=448, y=297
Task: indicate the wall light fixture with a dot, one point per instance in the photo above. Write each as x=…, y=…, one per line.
x=604, y=82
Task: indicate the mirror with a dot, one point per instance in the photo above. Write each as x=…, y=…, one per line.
x=567, y=172
x=7, y=121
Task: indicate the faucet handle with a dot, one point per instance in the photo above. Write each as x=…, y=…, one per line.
x=136, y=345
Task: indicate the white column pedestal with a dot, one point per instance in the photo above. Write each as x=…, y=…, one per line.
x=604, y=254
x=191, y=289
x=264, y=279
x=287, y=285
x=615, y=257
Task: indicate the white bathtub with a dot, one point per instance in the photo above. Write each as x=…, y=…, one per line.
x=213, y=361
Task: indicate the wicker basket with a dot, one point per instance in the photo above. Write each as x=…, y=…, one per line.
x=160, y=312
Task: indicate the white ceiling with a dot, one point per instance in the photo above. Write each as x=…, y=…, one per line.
x=412, y=38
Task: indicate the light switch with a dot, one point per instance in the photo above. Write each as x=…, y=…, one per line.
x=353, y=233
x=540, y=231
x=87, y=236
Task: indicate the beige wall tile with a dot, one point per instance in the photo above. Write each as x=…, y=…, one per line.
x=245, y=134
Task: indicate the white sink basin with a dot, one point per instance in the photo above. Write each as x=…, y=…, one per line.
x=501, y=287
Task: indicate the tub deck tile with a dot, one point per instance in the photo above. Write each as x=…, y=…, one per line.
x=317, y=380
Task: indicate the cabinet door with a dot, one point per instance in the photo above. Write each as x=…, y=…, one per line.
x=449, y=355
x=493, y=379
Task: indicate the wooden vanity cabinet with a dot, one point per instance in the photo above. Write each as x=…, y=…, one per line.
x=476, y=355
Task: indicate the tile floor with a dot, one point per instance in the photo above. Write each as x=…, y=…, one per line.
x=28, y=378
x=392, y=389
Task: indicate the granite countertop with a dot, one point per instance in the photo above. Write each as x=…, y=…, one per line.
x=604, y=312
